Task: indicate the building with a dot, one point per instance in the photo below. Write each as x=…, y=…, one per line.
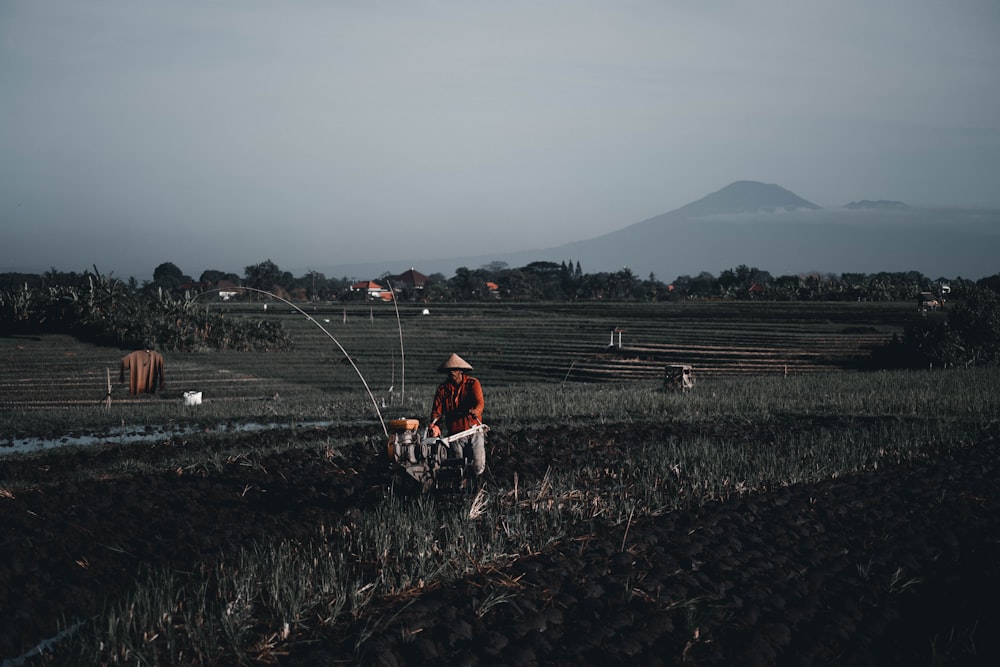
x=411, y=279
x=371, y=289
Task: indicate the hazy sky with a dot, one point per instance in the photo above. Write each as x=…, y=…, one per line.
x=219, y=133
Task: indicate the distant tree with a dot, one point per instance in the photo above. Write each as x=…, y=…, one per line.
x=784, y=288
x=655, y=290
x=990, y=282
x=544, y=267
x=520, y=285
x=703, y=285
x=682, y=286
x=264, y=276
x=316, y=285
x=211, y=276
x=437, y=288
x=593, y=287
x=624, y=285
x=761, y=276
x=547, y=280
x=168, y=276
x=964, y=336
x=468, y=284
x=976, y=321
x=729, y=283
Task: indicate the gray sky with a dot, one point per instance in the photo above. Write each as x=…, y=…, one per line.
x=219, y=133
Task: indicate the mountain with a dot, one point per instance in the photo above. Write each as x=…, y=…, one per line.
x=773, y=229
x=746, y=197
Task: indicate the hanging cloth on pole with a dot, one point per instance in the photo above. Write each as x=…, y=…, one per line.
x=145, y=369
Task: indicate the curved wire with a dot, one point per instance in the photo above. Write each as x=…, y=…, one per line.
x=402, y=353
x=329, y=335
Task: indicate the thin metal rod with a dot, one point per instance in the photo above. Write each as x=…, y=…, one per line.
x=402, y=352
x=329, y=335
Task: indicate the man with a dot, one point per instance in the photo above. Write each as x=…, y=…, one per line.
x=458, y=402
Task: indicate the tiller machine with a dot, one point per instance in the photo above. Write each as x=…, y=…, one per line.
x=441, y=463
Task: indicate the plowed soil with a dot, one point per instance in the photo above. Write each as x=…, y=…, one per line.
x=899, y=566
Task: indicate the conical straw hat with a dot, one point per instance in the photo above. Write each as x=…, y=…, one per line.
x=454, y=362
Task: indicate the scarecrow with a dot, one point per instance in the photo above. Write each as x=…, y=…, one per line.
x=145, y=368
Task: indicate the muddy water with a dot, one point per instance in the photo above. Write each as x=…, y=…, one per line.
x=137, y=434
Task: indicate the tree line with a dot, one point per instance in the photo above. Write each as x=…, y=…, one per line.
x=543, y=281
x=168, y=309
x=104, y=310
x=551, y=281
x=565, y=281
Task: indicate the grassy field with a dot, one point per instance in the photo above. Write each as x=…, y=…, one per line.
x=52, y=384
x=584, y=444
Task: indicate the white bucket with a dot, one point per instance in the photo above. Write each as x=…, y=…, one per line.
x=192, y=398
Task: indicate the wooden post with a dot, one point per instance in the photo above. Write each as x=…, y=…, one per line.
x=107, y=399
x=616, y=330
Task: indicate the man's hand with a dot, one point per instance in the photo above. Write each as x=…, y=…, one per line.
x=435, y=430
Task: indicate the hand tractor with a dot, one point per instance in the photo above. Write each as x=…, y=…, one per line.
x=432, y=463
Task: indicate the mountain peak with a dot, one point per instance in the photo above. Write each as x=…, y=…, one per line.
x=747, y=197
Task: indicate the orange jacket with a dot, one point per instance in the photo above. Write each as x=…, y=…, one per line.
x=145, y=369
x=460, y=406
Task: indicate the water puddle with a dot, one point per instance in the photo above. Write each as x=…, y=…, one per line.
x=128, y=435
x=42, y=647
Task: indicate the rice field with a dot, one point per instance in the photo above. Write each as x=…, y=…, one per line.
x=54, y=383
x=791, y=509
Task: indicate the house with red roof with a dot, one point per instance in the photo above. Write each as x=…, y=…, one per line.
x=371, y=288
x=411, y=279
